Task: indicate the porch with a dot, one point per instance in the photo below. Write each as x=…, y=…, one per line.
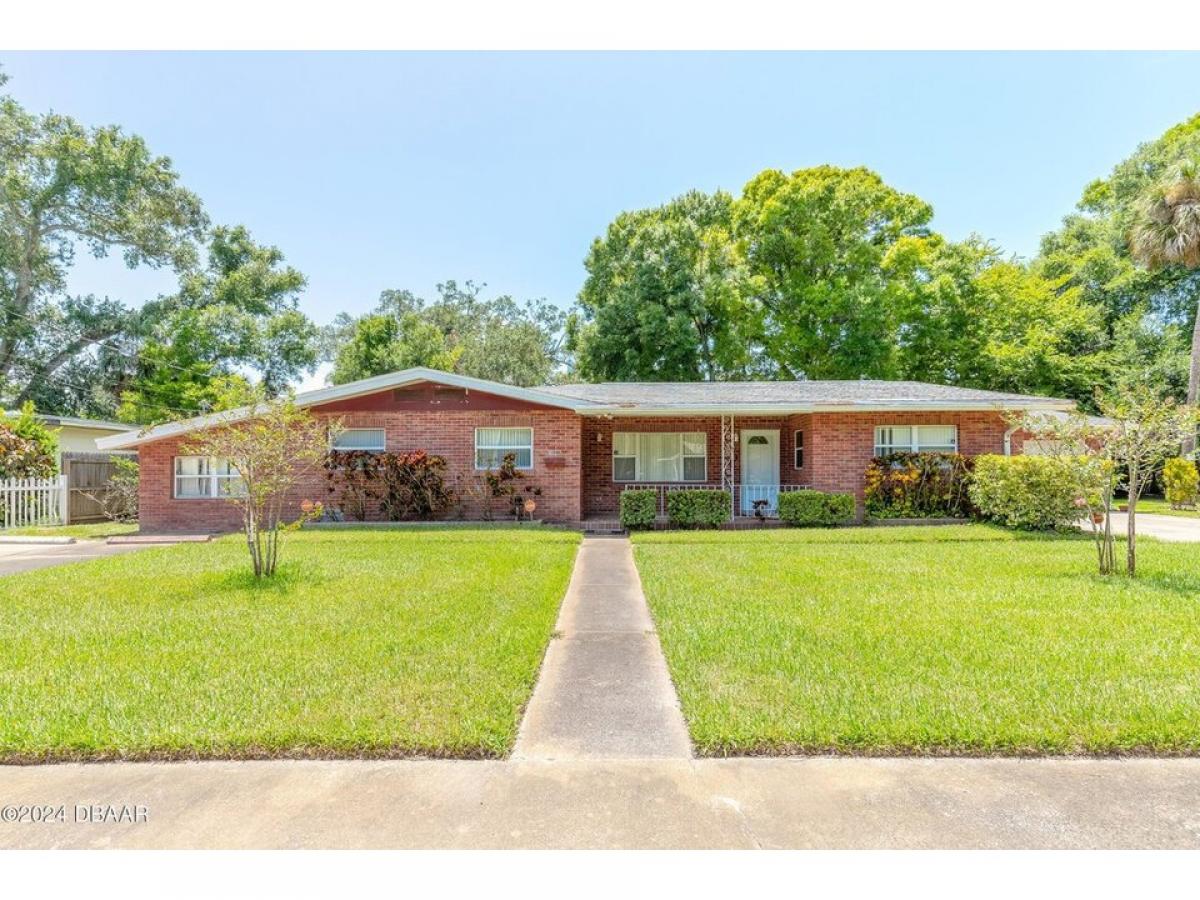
x=755, y=459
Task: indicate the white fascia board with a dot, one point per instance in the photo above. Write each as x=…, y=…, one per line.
x=342, y=392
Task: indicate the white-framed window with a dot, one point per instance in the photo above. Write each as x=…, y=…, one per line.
x=915, y=439
x=373, y=440
x=660, y=456
x=203, y=477
x=798, y=450
x=493, y=444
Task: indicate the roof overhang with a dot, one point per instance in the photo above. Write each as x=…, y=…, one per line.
x=758, y=409
x=343, y=392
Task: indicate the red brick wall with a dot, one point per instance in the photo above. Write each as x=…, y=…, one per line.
x=843, y=443
x=448, y=433
x=837, y=446
x=601, y=495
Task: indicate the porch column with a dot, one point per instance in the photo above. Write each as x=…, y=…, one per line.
x=728, y=454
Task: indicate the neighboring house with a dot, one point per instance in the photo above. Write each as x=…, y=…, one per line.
x=582, y=444
x=77, y=437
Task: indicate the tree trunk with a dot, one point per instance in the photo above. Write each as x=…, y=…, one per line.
x=1131, y=521
x=1189, y=446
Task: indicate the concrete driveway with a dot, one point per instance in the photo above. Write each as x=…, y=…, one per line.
x=24, y=557
x=1165, y=528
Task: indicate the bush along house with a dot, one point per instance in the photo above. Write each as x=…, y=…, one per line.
x=573, y=449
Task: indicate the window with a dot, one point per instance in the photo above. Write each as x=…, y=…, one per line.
x=915, y=439
x=200, y=477
x=660, y=456
x=798, y=451
x=370, y=439
x=493, y=444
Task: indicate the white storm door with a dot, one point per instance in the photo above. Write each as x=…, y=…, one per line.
x=760, y=470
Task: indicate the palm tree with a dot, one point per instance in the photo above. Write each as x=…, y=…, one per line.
x=1166, y=232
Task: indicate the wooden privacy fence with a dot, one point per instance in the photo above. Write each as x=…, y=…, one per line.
x=33, y=501
x=87, y=483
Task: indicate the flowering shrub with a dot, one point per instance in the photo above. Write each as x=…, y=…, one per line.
x=1180, y=482
x=918, y=486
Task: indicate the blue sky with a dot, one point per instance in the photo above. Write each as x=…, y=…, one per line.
x=376, y=171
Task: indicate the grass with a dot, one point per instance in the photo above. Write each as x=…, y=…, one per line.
x=1160, y=507
x=90, y=530
x=366, y=643
x=965, y=639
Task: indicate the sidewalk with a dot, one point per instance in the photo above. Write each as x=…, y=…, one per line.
x=735, y=803
x=604, y=690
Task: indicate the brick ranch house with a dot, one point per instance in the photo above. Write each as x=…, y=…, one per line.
x=582, y=444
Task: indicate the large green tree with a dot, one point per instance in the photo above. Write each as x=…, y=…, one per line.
x=661, y=301
x=65, y=188
x=236, y=316
x=499, y=339
x=1092, y=253
x=815, y=245
x=971, y=317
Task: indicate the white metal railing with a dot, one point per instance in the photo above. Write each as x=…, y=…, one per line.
x=745, y=496
x=33, y=501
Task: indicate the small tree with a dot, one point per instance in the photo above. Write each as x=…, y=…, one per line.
x=120, y=498
x=1080, y=445
x=272, y=450
x=1146, y=429
x=1143, y=428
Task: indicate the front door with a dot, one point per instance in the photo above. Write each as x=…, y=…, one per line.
x=760, y=470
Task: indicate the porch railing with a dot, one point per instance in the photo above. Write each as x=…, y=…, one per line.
x=745, y=496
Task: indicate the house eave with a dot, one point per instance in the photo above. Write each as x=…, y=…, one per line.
x=344, y=392
x=758, y=409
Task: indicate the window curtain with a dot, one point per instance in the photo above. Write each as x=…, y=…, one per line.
x=660, y=458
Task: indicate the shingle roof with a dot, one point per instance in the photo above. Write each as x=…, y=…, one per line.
x=661, y=395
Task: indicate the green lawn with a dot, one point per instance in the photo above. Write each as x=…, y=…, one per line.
x=373, y=643
x=964, y=639
x=91, y=530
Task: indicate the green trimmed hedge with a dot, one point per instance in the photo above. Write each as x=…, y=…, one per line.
x=698, y=508
x=638, y=509
x=815, y=508
x=1033, y=493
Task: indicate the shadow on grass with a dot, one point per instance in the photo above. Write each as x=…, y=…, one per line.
x=290, y=575
x=868, y=536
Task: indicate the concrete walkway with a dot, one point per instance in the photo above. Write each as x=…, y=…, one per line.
x=736, y=803
x=604, y=690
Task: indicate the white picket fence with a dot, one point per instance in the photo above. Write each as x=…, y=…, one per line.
x=33, y=501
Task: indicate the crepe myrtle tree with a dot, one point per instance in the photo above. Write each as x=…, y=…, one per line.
x=1147, y=429
x=272, y=450
x=1081, y=447
x=1141, y=429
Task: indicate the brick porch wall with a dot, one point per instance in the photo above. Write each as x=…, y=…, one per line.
x=601, y=495
x=843, y=443
x=837, y=447
x=448, y=433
